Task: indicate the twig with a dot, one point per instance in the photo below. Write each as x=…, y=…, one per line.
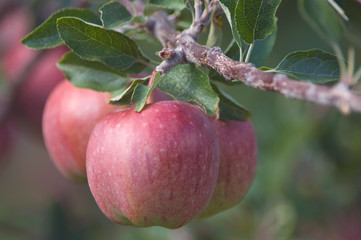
x=249, y=52
x=188, y=50
x=338, y=9
x=201, y=20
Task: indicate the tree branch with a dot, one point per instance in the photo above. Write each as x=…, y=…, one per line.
x=188, y=50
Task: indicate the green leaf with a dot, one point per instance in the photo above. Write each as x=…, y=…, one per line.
x=114, y=14
x=142, y=92
x=215, y=34
x=147, y=46
x=174, y=4
x=93, y=75
x=125, y=98
x=264, y=68
x=263, y=48
x=255, y=19
x=230, y=109
x=322, y=18
x=94, y=43
x=314, y=65
x=229, y=7
x=135, y=68
x=149, y=9
x=159, y=5
x=188, y=83
x=46, y=35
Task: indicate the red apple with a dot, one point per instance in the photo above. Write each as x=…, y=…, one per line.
x=69, y=117
x=158, y=96
x=39, y=82
x=238, y=162
x=14, y=26
x=14, y=62
x=155, y=167
x=14, y=56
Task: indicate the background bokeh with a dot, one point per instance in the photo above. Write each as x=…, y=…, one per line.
x=308, y=182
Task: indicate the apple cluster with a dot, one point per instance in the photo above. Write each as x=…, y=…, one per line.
x=163, y=166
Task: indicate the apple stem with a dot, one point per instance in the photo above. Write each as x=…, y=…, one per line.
x=150, y=82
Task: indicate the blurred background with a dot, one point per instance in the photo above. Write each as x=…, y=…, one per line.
x=308, y=182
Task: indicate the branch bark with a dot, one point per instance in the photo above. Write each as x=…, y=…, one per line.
x=188, y=50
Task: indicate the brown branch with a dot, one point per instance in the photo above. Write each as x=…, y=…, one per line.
x=188, y=50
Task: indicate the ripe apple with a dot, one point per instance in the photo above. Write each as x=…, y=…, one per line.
x=238, y=162
x=69, y=117
x=14, y=56
x=154, y=167
x=14, y=62
x=158, y=96
x=14, y=26
x=39, y=82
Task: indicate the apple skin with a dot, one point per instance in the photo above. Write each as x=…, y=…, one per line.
x=69, y=117
x=40, y=81
x=15, y=56
x=238, y=162
x=158, y=96
x=157, y=167
x=13, y=62
x=14, y=26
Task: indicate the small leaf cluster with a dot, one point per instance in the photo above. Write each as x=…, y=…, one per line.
x=254, y=28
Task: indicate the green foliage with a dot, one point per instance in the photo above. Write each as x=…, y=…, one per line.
x=229, y=7
x=255, y=19
x=142, y=92
x=263, y=48
x=315, y=65
x=101, y=58
x=252, y=23
x=190, y=84
x=125, y=98
x=229, y=108
x=214, y=35
x=93, y=75
x=174, y=4
x=158, y=5
x=114, y=14
x=95, y=43
x=46, y=34
x=323, y=18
